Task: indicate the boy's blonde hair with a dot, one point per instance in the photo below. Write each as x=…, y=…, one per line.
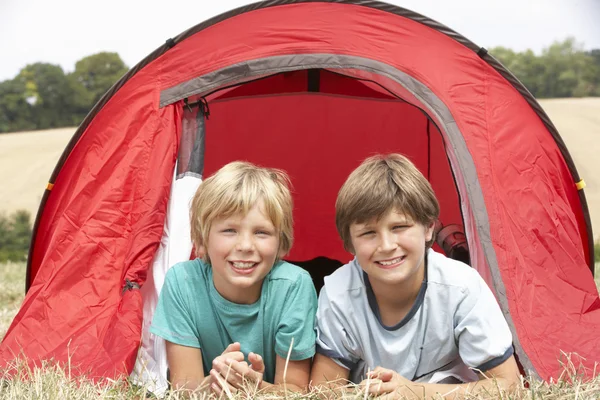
x=380, y=184
x=235, y=189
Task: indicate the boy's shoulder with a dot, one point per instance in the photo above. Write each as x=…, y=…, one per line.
x=447, y=272
x=187, y=270
x=283, y=270
x=345, y=279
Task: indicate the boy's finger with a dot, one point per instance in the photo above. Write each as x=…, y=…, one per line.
x=228, y=374
x=380, y=387
x=381, y=373
x=216, y=389
x=218, y=378
x=370, y=382
x=234, y=355
x=235, y=346
x=386, y=375
x=244, y=371
x=256, y=362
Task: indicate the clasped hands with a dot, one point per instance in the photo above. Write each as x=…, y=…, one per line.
x=230, y=372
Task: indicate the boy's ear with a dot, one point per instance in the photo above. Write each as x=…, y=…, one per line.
x=429, y=231
x=350, y=249
x=281, y=254
x=201, y=251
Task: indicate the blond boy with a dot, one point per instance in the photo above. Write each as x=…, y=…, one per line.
x=229, y=318
x=414, y=321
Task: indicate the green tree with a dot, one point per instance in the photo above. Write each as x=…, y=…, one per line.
x=97, y=73
x=563, y=69
x=49, y=93
x=526, y=66
x=592, y=72
x=15, y=112
x=41, y=96
x=563, y=62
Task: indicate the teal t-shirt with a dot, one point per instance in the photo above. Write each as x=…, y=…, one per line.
x=190, y=312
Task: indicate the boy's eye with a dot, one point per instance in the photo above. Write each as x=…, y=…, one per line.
x=263, y=233
x=228, y=230
x=367, y=233
x=399, y=227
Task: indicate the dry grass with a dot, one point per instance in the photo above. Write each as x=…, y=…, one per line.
x=52, y=382
x=27, y=160
x=12, y=288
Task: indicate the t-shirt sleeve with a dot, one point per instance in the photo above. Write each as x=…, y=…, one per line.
x=298, y=321
x=483, y=336
x=172, y=319
x=334, y=338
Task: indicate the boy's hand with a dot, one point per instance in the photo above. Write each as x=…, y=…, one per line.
x=233, y=351
x=232, y=375
x=382, y=381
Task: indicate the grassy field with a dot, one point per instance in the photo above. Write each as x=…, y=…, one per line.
x=52, y=382
x=12, y=291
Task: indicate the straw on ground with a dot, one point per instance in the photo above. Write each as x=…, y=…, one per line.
x=51, y=381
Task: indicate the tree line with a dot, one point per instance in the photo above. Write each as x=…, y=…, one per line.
x=43, y=96
x=563, y=69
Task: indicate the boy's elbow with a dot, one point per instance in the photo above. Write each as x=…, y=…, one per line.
x=506, y=375
x=512, y=382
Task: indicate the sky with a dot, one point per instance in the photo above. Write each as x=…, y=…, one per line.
x=64, y=31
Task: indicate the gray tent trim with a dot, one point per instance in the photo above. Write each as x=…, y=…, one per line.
x=190, y=157
x=197, y=158
x=461, y=160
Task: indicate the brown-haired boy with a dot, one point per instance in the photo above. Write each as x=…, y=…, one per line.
x=413, y=321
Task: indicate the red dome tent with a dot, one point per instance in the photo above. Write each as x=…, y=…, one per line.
x=312, y=87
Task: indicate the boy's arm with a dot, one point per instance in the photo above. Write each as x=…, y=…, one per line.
x=326, y=371
x=338, y=350
x=504, y=377
x=296, y=376
x=185, y=367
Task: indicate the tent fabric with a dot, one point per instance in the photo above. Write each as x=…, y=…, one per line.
x=492, y=155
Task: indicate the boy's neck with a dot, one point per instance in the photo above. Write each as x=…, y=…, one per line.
x=395, y=301
x=248, y=295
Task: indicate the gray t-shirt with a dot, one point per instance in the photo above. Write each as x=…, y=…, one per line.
x=454, y=326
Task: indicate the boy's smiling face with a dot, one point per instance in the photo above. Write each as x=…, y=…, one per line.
x=242, y=250
x=391, y=250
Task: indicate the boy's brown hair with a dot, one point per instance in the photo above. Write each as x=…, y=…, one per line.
x=380, y=184
x=235, y=189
